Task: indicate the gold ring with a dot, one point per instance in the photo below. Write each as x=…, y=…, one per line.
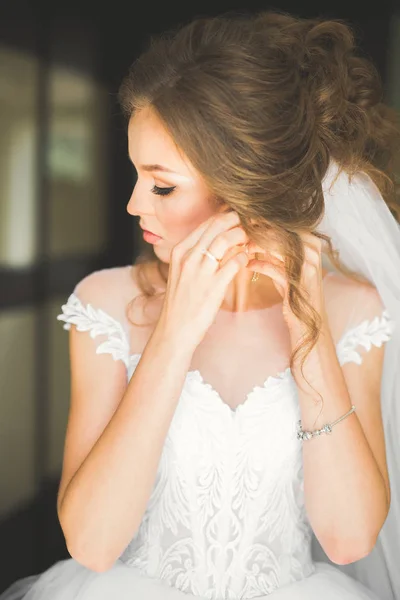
x=210, y=255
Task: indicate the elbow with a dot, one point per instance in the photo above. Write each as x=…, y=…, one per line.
x=346, y=552
x=98, y=567
x=81, y=553
x=90, y=560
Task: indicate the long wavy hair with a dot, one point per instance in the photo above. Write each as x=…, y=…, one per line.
x=274, y=97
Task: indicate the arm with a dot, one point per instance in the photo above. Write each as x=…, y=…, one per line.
x=101, y=507
x=346, y=485
x=103, y=503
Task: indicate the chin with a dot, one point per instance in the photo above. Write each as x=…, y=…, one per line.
x=163, y=254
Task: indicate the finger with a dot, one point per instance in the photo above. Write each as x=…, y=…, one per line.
x=227, y=271
x=189, y=246
x=252, y=248
x=191, y=242
x=268, y=269
x=187, y=243
x=222, y=222
x=233, y=239
x=276, y=255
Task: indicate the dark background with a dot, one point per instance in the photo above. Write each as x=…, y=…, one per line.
x=60, y=67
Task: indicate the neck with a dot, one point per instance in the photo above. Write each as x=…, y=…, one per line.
x=243, y=295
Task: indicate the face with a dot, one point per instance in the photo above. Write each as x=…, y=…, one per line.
x=169, y=204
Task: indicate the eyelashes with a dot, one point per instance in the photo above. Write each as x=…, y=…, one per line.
x=162, y=191
x=159, y=191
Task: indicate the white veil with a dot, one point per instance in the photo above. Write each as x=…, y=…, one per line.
x=367, y=236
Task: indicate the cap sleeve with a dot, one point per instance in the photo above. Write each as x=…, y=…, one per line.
x=368, y=324
x=84, y=309
x=361, y=338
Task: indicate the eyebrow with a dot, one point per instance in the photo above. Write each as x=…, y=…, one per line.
x=157, y=168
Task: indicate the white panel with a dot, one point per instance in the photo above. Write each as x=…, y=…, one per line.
x=77, y=164
x=18, y=152
x=17, y=408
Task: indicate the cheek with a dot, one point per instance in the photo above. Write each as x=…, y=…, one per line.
x=178, y=221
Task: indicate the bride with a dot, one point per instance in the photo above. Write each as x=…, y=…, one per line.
x=233, y=429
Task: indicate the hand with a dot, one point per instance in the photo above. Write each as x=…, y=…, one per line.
x=272, y=264
x=197, y=284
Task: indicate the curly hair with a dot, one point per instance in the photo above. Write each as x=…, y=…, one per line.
x=274, y=97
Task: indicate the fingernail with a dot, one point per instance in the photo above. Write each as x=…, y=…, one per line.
x=254, y=248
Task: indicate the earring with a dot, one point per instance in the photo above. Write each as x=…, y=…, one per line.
x=255, y=274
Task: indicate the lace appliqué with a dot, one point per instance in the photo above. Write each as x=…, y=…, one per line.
x=226, y=517
x=367, y=333
x=97, y=322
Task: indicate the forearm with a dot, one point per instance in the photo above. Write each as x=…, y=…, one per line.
x=345, y=493
x=104, y=503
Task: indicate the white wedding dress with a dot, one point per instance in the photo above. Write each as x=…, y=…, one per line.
x=226, y=518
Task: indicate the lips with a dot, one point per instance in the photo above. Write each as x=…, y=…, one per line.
x=148, y=231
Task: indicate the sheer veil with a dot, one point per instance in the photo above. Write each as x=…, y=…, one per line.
x=367, y=236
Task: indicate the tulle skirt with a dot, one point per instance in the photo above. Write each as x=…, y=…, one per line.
x=69, y=580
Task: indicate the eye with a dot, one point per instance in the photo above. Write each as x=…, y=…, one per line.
x=162, y=191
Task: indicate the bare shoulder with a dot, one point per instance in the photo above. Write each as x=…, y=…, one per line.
x=110, y=286
x=125, y=293
x=349, y=303
x=104, y=282
x=339, y=285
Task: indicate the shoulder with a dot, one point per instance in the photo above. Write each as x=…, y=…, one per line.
x=98, y=299
x=109, y=294
x=123, y=281
x=357, y=317
x=97, y=305
x=343, y=294
x=105, y=284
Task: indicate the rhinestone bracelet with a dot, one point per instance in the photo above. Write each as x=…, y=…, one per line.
x=307, y=435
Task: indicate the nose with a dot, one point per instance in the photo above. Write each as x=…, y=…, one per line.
x=130, y=206
x=137, y=204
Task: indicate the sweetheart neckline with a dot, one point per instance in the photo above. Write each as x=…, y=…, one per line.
x=196, y=375
x=276, y=379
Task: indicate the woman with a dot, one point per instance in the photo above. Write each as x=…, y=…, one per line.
x=225, y=408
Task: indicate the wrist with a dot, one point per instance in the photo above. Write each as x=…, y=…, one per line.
x=177, y=340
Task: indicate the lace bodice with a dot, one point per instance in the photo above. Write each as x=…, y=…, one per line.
x=226, y=517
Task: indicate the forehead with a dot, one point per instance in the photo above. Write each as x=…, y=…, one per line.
x=144, y=124
x=149, y=141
